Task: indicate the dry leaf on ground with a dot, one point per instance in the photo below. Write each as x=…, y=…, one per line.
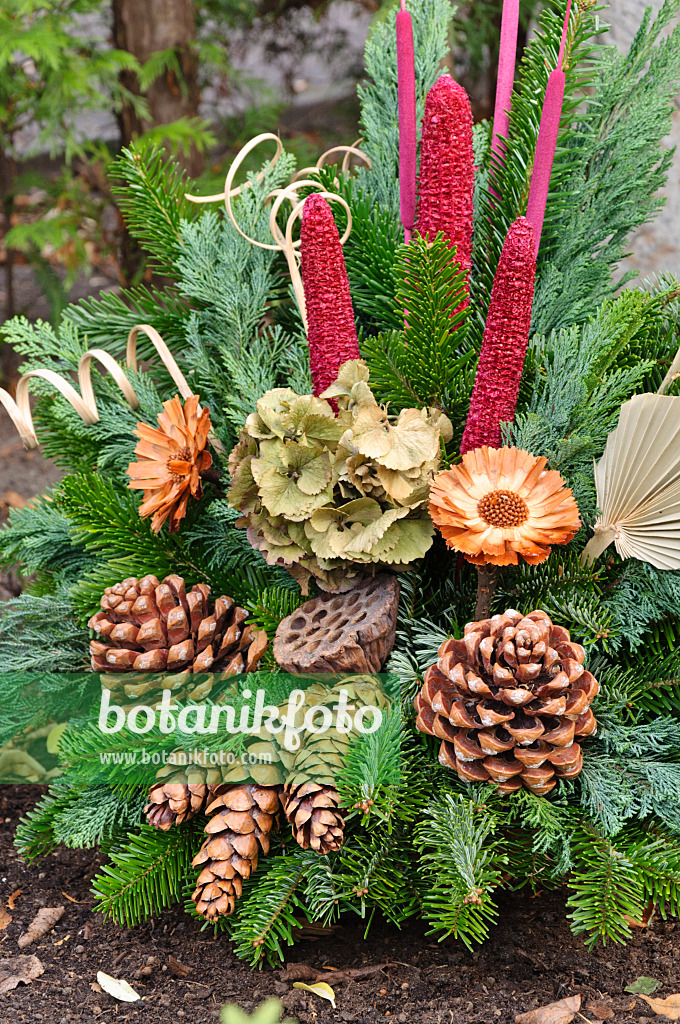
x=117, y=988
x=669, y=1007
x=601, y=1009
x=319, y=989
x=5, y=919
x=12, y=900
x=14, y=500
x=17, y=970
x=178, y=968
x=562, y=1012
x=304, y=972
x=44, y=920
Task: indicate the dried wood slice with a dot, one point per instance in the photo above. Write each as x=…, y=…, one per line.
x=349, y=632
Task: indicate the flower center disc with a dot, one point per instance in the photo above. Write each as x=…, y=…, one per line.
x=504, y=509
x=183, y=455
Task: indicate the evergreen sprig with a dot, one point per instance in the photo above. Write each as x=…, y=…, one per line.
x=151, y=198
x=429, y=363
x=148, y=873
x=459, y=868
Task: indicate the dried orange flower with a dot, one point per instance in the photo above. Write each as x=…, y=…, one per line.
x=500, y=503
x=170, y=461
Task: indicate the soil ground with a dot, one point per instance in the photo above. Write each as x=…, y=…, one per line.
x=530, y=959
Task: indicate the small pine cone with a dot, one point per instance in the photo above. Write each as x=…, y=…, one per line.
x=147, y=626
x=310, y=797
x=179, y=794
x=312, y=810
x=508, y=701
x=242, y=818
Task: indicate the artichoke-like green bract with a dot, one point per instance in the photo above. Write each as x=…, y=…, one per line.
x=334, y=497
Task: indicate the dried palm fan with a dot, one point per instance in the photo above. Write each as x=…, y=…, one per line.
x=638, y=484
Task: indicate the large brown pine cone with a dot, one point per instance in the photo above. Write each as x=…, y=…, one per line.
x=147, y=626
x=243, y=816
x=179, y=794
x=508, y=700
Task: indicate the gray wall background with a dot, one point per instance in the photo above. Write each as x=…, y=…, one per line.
x=656, y=246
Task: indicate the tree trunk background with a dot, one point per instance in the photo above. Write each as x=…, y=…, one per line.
x=143, y=27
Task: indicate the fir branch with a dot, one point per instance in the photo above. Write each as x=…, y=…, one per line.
x=151, y=199
x=264, y=921
x=429, y=363
x=460, y=868
x=371, y=782
x=376, y=872
x=106, y=319
x=147, y=875
x=606, y=889
x=657, y=859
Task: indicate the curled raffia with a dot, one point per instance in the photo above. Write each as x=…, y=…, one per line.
x=84, y=403
x=283, y=240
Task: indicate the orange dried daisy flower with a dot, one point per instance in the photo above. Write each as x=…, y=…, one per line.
x=170, y=461
x=502, y=503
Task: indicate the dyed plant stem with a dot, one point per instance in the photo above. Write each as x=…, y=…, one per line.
x=547, y=140
x=406, y=77
x=506, y=76
x=487, y=581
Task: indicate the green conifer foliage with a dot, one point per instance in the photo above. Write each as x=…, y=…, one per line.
x=417, y=840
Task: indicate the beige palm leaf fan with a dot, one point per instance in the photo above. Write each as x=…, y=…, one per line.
x=638, y=484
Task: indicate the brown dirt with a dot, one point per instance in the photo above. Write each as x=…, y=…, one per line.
x=530, y=960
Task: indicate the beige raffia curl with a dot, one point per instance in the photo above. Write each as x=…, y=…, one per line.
x=283, y=240
x=84, y=403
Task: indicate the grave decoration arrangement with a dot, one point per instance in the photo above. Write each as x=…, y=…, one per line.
x=394, y=425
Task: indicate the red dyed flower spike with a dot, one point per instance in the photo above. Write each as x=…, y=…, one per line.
x=331, y=334
x=446, y=181
x=506, y=336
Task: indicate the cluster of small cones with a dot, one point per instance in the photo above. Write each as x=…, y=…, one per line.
x=243, y=801
x=509, y=701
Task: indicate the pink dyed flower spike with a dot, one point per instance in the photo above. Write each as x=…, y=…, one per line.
x=331, y=334
x=446, y=181
x=506, y=336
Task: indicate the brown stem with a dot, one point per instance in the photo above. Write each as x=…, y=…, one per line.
x=487, y=578
x=213, y=476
